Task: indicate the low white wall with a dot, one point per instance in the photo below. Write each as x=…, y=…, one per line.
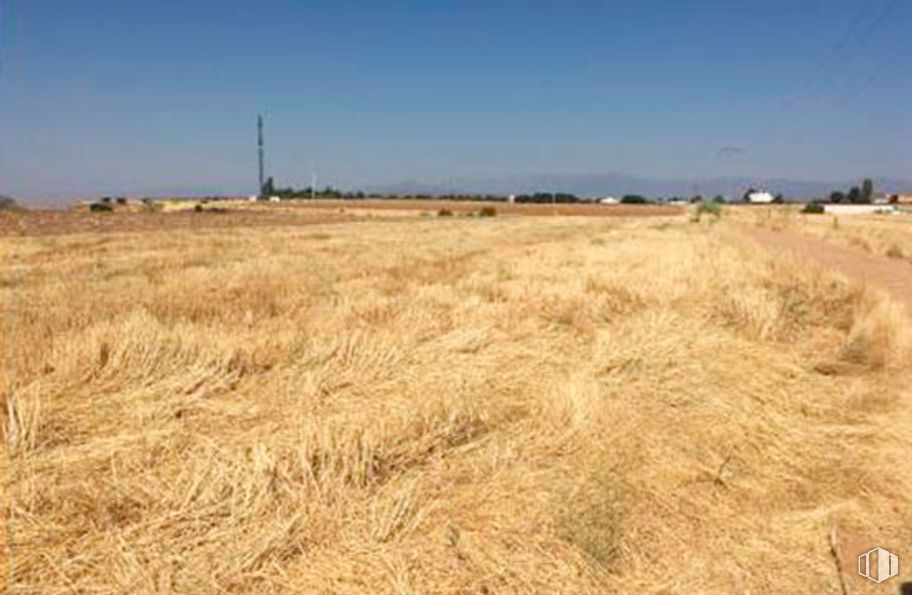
x=858, y=209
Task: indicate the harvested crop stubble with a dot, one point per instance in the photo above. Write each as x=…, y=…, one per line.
x=534, y=405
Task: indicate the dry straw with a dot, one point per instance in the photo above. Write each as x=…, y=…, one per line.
x=447, y=405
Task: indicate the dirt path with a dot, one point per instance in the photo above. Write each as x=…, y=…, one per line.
x=892, y=275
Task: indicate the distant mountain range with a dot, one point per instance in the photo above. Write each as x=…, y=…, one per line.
x=614, y=184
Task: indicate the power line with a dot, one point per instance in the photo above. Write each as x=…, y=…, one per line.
x=855, y=38
x=812, y=82
x=857, y=91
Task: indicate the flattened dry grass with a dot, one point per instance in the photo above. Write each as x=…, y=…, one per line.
x=446, y=406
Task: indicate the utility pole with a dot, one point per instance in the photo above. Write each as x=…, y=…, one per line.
x=260, y=151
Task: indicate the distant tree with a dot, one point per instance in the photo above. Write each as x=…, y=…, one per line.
x=268, y=188
x=867, y=190
x=634, y=199
x=7, y=203
x=747, y=194
x=719, y=199
x=854, y=195
x=696, y=199
x=779, y=199
x=837, y=197
x=100, y=207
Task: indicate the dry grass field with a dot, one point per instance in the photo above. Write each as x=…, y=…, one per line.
x=446, y=405
x=465, y=207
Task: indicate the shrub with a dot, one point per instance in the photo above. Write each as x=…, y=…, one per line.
x=814, y=208
x=202, y=209
x=100, y=207
x=710, y=208
x=121, y=200
x=7, y=203
x=894, y=251
x=706, y=208
x=444, y=213
x=487, y=212
x=634, y=199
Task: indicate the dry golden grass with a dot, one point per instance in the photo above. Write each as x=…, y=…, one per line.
x=445, y=405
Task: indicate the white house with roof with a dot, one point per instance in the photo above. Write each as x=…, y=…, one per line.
x=760, y=198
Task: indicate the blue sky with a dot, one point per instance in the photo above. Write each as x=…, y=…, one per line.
x=135, y=96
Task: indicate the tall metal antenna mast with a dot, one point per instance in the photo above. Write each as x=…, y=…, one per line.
x=260, y=149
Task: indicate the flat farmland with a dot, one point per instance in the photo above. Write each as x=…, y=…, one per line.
x=236, y=213
x=321, y=402
x=50, y=223
x=465, y=207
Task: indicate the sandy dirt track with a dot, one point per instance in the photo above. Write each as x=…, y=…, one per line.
x=892, y=275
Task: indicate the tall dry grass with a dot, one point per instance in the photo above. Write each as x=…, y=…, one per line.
x=446, y=406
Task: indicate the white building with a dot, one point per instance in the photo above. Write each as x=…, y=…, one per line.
x=608, y=200
x=761, y=198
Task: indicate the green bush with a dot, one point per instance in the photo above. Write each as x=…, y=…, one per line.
x=100, y=207
x=813, y=207
x=202, y=209
x=487, y=212
x=706, y=208
x=7, y=203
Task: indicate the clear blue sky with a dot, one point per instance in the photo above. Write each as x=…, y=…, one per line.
x=125, y=96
